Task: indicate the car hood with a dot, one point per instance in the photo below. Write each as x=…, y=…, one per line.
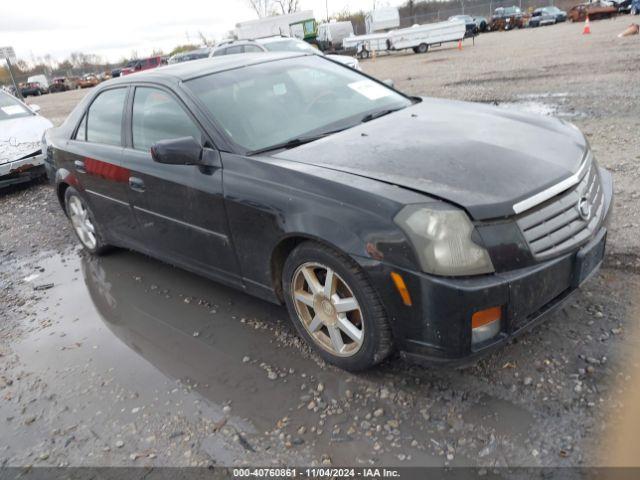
x=21, y=137
x=482, y=158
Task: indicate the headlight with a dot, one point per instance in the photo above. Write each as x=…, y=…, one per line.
x=441, y=235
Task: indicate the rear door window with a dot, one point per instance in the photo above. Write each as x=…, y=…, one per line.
x=104, y=118
x=157, y=115
x=81, y=134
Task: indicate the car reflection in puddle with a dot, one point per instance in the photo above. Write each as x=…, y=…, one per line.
x=233, y=348
x=195, y=337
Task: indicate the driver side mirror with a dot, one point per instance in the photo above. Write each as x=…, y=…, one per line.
x=184, y=151
x=35, y=108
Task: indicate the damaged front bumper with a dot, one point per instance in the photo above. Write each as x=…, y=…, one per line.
x=22, y=170
x=436, y=327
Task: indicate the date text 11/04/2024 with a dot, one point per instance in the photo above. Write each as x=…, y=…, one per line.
x=316, y=472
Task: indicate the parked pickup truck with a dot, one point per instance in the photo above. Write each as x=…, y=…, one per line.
x=420, y=37
x=595, y=11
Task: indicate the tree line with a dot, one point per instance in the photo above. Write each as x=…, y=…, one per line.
x=76, y=64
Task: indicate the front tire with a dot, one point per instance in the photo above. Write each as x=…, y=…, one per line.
x=83, y=222
x=334, y=307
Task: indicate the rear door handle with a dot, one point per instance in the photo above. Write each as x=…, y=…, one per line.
x=80, y=166
x=136, y=184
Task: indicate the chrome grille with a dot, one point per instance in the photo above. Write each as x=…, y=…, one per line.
x=557, y=226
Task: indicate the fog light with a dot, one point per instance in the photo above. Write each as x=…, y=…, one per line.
x=485, y=324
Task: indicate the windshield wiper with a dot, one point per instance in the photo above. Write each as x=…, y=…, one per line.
x=295, y=142
x=381, y=113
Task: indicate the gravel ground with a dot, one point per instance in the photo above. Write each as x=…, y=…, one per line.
x=123, y=360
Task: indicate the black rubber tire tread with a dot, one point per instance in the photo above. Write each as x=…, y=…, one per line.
x=378, y=342
x=101, y=246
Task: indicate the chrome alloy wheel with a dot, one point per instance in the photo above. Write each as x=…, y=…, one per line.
x=79, y=216
x=328, y=309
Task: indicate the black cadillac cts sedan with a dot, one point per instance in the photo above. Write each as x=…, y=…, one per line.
x=382, y=221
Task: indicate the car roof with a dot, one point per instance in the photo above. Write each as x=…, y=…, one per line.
x=205, y=66
x=276, y=38
x=260, y=41
x=191, y=52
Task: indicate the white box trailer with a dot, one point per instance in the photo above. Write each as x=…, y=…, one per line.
x=365, y=45
x=382, y=19
x=420, y=37
x=331, y=35
x=290, y=25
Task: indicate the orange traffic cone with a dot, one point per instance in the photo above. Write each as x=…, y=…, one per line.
x=459, y=44
x=587, y=28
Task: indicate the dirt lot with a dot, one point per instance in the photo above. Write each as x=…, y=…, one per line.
x=123, y=360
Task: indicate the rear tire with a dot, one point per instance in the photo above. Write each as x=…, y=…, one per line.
x=343, y=320
x=423, y=48
x=83, y=223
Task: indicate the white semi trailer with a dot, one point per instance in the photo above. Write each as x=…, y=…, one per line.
x=331, y=35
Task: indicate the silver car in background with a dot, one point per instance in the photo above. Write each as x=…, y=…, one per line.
x=279, y=44
x=21, y=131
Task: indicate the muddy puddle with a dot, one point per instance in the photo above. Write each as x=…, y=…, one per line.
x=132, y=361
x=120, y=342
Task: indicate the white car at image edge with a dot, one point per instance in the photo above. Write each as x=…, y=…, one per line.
x=21, y=131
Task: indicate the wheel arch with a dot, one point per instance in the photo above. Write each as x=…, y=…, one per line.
x=63, y=180
x=61, y=188
x=283, y=249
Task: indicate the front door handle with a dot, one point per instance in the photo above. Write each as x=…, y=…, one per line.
x=80, y=166
x=136, y=184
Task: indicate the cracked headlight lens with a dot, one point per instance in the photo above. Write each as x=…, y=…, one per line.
x=441, y=235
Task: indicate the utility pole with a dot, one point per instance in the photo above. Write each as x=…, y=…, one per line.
x=13, y=80
x=326, y=6
x=7, y=53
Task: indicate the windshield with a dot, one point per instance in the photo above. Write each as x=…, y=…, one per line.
x=11, y=108
x=289, y=45
x=269, y=103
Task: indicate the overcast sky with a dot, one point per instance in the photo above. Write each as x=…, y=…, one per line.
x=114, y=28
